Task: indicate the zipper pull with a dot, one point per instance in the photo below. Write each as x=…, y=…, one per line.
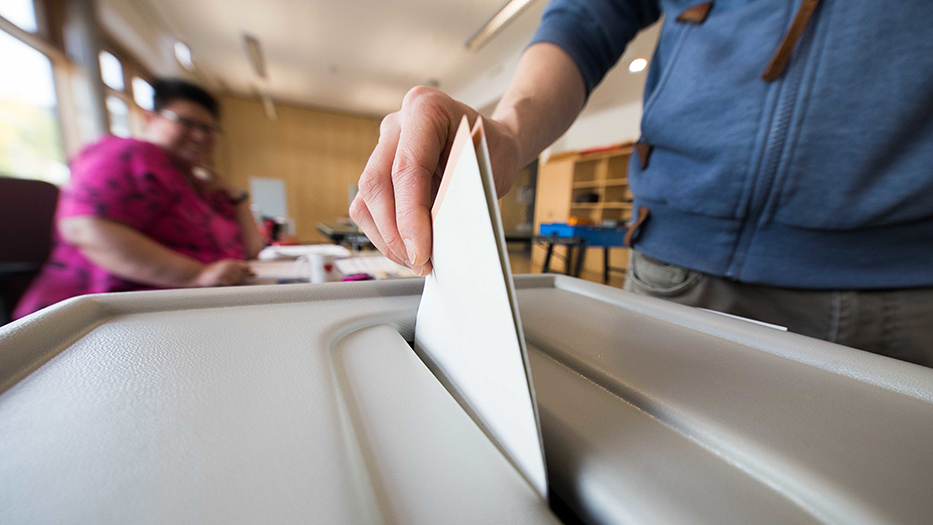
x=782, y=56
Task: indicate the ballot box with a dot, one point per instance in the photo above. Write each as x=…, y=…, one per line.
x=307, y=404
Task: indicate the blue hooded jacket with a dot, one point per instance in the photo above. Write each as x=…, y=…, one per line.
x=818, y=176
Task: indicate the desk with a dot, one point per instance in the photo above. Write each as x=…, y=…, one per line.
x=581, y=238
x=290, y=271
x=519, y=238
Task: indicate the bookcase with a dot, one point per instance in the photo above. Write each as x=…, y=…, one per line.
x=591, y=185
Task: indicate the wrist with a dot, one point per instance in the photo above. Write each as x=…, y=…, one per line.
x=508, y=159
x=194, y=273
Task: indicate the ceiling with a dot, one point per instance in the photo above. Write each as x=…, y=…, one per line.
x=362, y=56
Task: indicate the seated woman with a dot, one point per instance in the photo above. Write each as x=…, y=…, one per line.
x=147, y=214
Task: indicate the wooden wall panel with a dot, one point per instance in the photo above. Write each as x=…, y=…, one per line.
x=318, y=154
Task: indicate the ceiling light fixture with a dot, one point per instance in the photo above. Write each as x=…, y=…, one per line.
x=254, y=54
x=638, y=65
x=183, y=55
x=496, y=23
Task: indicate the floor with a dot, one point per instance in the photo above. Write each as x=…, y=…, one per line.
x=520, y=261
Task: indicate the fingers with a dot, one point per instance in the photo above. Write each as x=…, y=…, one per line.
x=233, y=272
x=247, y=270
x=397, y=188
x=364, y=221
x=422, y=140
x=377, y=197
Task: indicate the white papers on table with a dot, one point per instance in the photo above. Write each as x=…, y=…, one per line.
x=375, y=265
x=273, y=271
x=468, y=327
x=271, y=253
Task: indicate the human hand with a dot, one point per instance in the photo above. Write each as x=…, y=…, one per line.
x=209, y=180
x=225, y=272
x=401, y=178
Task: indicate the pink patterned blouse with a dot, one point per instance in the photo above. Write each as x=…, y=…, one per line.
x=137, y=184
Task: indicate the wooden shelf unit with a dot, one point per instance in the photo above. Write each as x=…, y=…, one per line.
x=564, y=178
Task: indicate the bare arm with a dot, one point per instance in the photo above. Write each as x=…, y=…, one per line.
x=211, y=181
x=397, y=187
x=252, y=238
x=545, y=97
x=129, y=254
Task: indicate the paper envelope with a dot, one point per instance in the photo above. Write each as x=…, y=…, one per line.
x=468, y=327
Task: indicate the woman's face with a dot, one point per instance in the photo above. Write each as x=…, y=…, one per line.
x=186, y=130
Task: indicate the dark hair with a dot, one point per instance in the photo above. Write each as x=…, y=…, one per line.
x=169, y=89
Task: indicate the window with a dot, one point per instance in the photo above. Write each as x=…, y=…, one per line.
x=128, y=94
x=111, y=70
x=143, y=93
x=30, y=133
x=20, y=12
x=183, y=55
x=119, y=116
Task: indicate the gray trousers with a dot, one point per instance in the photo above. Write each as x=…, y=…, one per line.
x=896, y=323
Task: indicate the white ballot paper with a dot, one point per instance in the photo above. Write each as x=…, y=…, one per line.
x=468, y=324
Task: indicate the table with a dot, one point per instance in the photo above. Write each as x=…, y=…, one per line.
x=586, y=238
x=519, y=238
x=290, y=271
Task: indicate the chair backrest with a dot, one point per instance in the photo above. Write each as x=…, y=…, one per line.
x=27, y=213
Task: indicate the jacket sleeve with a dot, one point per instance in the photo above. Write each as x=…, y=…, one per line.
x=595, y=32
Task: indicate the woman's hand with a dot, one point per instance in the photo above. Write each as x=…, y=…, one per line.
x=226, y=272
x=208, y=180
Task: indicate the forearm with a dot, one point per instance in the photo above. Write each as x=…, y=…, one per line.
x=252, y=238
x=545, y=96
x=129, y=254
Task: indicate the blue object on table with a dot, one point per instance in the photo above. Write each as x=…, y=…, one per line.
x=581, y=238
x=595, y=236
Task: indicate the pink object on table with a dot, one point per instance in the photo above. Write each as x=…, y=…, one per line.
x=137, y=184
x=359, y=277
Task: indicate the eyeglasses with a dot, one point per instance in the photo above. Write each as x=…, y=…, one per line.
x=189, y=124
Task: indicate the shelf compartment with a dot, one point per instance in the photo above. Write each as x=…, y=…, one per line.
x=589, y=171
x=617, y=194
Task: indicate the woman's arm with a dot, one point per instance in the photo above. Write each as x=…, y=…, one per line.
x=252, y=238
x=127, y=253
x=211, y=181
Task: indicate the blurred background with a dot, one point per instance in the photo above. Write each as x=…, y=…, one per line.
x=303, y=86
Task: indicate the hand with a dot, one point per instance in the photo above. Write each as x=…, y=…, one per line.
x=208, y=180
x=401, y=178
x=226, y=272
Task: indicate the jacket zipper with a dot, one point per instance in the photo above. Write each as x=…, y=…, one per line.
x=776, y=142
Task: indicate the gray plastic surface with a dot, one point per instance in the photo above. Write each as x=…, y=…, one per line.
x=304, y=404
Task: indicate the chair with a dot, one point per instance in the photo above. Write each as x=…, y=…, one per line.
x=27, y=212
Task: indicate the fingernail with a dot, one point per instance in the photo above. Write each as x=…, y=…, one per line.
x=410, y=246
